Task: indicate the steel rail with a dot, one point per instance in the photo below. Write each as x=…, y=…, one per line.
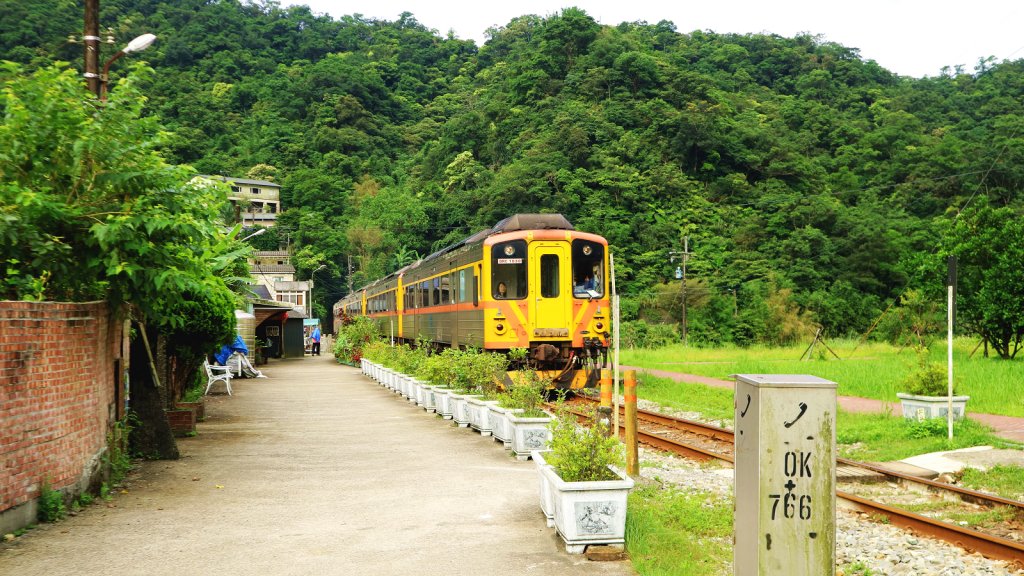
x=723, y=434
x=987, y=545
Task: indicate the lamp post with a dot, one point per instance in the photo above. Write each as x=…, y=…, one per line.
x=312, y=280
x=254, y=234
x=136, y=45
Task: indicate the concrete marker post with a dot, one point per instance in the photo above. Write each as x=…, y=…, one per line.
x=632, y=450
x=785, y=475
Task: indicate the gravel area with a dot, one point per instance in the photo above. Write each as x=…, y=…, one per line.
x=860, y=543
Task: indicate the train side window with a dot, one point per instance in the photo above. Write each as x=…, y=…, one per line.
x=508, y=270
x=446, y=296
x=463, y=290
x=549, y=275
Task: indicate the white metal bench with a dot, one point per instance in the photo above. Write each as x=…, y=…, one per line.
x=216, y=373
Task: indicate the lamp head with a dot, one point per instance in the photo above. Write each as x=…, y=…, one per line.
x=140, y=43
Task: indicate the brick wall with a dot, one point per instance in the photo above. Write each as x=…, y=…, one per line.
x=59, y=365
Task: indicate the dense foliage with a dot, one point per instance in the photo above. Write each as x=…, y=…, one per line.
x=90, y=211
x=814, y=186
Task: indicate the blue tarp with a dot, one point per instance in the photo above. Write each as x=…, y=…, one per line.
x=228, y=349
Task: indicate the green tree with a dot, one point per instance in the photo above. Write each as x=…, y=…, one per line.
x=989, y=245
x=104, y=216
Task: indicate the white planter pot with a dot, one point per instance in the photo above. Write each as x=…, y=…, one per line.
x=412, y=387
x=547, y=497
x=461, y=413
x=480, y=415
x=423, y=394
x=501, y=428
x=443, y=402
x=927, y=407
x=589, y=512
x=529, y=434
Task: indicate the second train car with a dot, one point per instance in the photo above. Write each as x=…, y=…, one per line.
x=532, y=281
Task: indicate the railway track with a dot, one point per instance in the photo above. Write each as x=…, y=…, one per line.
x=704, y=442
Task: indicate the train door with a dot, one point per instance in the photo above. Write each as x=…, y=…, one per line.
x=548, y=283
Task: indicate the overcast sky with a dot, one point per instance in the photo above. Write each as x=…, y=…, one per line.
x=911, y=38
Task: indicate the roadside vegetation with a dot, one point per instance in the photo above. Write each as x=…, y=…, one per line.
x=869, y=370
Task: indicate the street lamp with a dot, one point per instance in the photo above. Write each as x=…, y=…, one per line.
x=254, y=234
x=136, y=45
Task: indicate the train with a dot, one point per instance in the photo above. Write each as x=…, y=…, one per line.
x=531, y=281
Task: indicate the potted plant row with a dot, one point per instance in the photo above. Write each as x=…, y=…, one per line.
x=463, y=386
x=583, y=493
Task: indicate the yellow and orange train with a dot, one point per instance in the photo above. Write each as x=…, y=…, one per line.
x=532, y=281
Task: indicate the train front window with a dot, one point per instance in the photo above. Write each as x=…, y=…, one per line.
x=587, y=269
x=508, y=270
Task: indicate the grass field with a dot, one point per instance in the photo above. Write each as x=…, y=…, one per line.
x=870, y=370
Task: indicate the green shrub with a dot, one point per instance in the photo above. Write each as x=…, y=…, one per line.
x=640, y=334
x=352, y=339
x=526, y=393
x=930, y=378
x=51, y=504
x=582, y=454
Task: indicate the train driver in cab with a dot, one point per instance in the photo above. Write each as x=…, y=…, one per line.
x=502, y=291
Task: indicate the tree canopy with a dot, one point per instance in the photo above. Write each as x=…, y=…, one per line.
x=808, y=179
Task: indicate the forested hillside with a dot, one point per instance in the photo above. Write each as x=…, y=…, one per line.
x=814, y=186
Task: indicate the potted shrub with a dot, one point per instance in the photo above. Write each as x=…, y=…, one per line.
x=440, y=372
x=529, y=428
x=927, y=392
x=483, y=373
x=588, y=493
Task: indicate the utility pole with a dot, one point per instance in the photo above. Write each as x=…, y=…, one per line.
x=681, y=275
x=349, y=273
x=92, y=46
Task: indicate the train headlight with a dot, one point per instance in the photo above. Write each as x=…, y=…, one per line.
x=499, y=328
x=599, y=325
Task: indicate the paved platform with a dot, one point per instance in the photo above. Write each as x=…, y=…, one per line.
x=1005, y=426
x=314, y=470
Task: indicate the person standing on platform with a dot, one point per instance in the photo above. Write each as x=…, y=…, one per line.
x=316, y=341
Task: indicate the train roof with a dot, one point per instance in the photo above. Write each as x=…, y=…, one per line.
x=514, y=223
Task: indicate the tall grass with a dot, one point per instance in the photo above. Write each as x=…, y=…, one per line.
x=870, y=370
x=671, y=533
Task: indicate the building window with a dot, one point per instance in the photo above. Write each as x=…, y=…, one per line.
x=255, y=190
x=236, y=189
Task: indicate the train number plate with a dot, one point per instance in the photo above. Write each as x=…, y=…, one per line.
x=551, y=332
